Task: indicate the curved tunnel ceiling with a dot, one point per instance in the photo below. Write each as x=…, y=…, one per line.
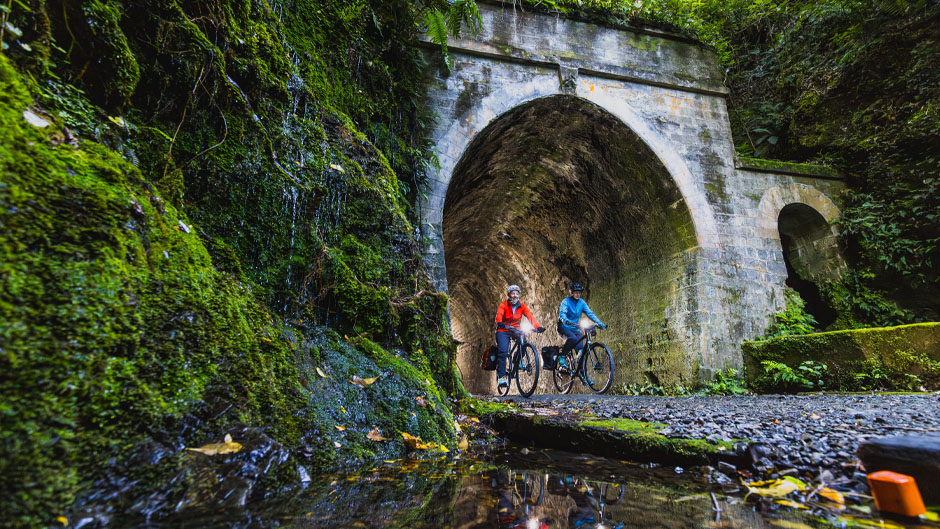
x=555, y=191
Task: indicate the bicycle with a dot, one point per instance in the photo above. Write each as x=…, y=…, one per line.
x=590, y=365
x=524, y=363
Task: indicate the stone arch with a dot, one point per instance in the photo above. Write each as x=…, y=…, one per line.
x=558, y=189
x=777, y=197
x=453, y=143
x=800, y=218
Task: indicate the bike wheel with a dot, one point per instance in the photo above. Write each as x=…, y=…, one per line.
x=599, y=368
x=562, y=374
x=527, y=372
x=530, y=488
x=612, y=493
x=504, y=390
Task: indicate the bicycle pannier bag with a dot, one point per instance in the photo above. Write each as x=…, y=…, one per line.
x=489, y=358
x=550, y=357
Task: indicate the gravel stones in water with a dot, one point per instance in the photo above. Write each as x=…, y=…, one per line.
x=807, y=435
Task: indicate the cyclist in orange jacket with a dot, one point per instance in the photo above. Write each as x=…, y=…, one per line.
x=508, y=317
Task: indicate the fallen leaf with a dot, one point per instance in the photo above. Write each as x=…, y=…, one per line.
x=789, y=503
x=214, y=449
x=321, y=373
x=414, y=442
x=375, y=435
x=62, y=520
x=832, y=495
x=342, y=409
x=421, y=402
x=814, y=416
x=340, y=427
x=336, y=444
x=474, y=419
x=775, y=488
x=35, y=119
x=463, y=444
x=265, y=338
x=337, y=168
x=788, y=524
x=363, y=382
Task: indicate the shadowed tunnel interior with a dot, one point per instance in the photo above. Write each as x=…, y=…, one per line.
x=559, y=190
x=811, y=254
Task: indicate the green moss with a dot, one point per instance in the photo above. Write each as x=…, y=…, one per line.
x=792, y=168
x=903, y=357
x=624, y=425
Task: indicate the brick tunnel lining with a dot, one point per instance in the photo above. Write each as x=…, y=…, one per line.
x=555, y=191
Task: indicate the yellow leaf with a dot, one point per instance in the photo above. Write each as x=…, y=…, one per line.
x=340, y=427
x=788, y=524
x=776, y=488
x=321, y=373
x=793, y=504
x=214, y=449
x=342, y=409
x=421, y=402
x=474, y=419
x=337, y=168
x=414, y=442
x=344, y=336
x=832, y=495
x=463, y=444
x=265, y=338
x=62, y=520
x=363, y=382
x=336, y=444
x=375, y=435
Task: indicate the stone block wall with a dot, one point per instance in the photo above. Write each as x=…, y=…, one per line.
x=667, y=91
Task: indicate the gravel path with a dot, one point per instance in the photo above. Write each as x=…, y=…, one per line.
x=807, y=435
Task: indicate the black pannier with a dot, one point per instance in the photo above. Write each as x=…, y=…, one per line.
x=550, y=356
x=488, y=362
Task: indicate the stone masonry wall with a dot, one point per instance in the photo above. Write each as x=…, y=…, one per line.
x=667, y=90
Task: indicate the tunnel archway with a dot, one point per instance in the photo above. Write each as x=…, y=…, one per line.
x=811, y=255
x=558, y=190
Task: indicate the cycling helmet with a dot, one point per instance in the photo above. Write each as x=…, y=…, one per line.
x=510, y=288
x=576, y=286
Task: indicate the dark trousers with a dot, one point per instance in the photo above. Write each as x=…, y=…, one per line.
x=502, y=343
x=572, y=335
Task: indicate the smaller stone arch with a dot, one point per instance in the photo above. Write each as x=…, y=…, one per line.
x=777, y=197
x=800, y=218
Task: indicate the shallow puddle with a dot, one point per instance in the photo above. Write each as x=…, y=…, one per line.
x=514, y=488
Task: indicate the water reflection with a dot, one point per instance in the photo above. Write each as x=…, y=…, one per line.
x=516, y=488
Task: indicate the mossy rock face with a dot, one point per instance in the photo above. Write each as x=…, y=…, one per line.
x=905, y=357
x=227, y=228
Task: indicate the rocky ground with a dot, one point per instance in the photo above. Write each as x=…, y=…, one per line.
x=807, y=436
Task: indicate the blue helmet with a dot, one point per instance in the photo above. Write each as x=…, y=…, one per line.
x=576, y=286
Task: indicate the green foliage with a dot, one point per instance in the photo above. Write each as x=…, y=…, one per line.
x=726, y=382
x=808, y=375
x=793, y=320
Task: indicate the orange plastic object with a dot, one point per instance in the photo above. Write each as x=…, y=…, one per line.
x=896, y=493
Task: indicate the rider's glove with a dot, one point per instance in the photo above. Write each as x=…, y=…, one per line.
x=500, y=325
x=602, y=326
x=540, y=329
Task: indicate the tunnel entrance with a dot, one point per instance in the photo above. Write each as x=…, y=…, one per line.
x=811, y=254
x=557, y=191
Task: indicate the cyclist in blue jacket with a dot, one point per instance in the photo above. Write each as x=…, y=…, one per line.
x=570, y=313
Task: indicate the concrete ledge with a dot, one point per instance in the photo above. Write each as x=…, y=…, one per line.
x=606, y=438
x=789, y=168
x=905, y=358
